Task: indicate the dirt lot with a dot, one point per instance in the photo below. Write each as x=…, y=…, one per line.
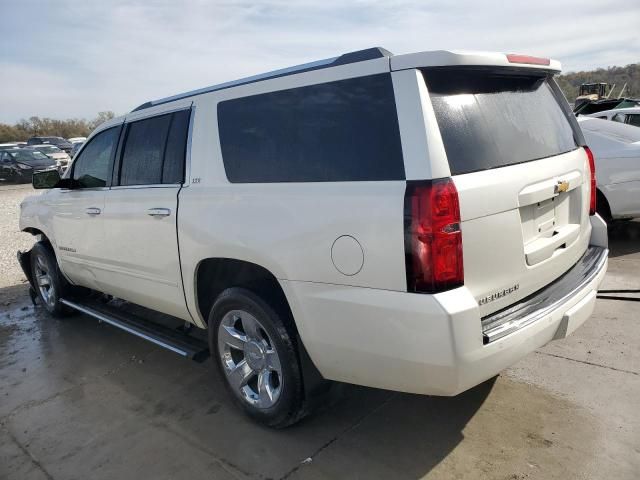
x=83, y=400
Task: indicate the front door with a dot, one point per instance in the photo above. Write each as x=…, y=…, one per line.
x=77, y=224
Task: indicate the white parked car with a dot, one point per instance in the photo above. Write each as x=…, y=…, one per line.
x=414, y=223
x=77, y=139
x=616, y=148
x=630, y=115
x=61, y=157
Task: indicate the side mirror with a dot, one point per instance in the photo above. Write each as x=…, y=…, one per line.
x=46, y=179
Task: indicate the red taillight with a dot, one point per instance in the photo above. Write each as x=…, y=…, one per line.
x=515, y=58
x=433, y=240
x=592, y=170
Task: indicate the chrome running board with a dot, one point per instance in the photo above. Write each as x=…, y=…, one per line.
x=165, y=337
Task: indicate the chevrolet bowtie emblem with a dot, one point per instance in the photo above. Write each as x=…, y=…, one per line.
x=562, y=186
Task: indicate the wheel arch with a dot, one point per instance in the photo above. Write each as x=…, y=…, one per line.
x=215, y=274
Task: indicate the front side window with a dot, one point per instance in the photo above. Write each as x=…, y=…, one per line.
x=338, y=131
x=154, y=150
x=618, y=117
x=92, y=168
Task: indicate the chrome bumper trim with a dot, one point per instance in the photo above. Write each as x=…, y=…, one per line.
x=546, y=300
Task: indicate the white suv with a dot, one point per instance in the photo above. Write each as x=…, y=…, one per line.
x=414, y=223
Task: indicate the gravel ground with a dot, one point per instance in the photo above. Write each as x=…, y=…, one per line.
x=11, y=238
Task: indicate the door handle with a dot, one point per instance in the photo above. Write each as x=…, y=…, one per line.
x=93, y=211
x=159, y=212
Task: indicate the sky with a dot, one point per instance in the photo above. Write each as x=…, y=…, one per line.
x=72, y=59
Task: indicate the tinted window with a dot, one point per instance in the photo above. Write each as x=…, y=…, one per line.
x=154, y=150
x=490, y=119
x=174, y=157
x=633, y=120
x=143, y=151
x=619, y=117
x=338, y=131
x=92, y=168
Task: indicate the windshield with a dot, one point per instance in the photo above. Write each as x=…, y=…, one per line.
x=26, y=156
x=490, y=119
x=48, y=149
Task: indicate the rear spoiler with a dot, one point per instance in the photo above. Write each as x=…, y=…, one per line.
x=444, y=58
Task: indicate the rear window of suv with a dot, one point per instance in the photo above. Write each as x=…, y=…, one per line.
x=490, y=119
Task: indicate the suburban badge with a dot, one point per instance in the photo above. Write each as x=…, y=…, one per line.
x=497, y=295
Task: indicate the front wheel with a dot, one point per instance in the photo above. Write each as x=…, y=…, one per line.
x=257, y=357
x=49, y=283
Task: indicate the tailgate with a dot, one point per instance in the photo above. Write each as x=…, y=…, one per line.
x=519, y=231
x=522, y=178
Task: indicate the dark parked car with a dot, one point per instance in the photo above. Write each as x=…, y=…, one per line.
x=59, y=142
x=75, y=148
x=18, y=164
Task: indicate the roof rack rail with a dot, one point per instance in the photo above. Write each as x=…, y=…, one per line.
x=344, y=59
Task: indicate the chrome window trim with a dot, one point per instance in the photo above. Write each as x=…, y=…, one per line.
x=153, y=185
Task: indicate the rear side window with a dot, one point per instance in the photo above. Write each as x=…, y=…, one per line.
x=154, y=150
x=491, y=119
x=331, y=132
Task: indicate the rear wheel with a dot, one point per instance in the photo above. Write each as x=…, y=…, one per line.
x=49, y=283
x=256, y=357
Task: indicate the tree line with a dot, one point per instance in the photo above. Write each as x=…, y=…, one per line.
x=37, y=126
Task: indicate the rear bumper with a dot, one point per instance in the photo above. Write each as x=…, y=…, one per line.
x=429, y=344
x=536, y=306
x=554, y=317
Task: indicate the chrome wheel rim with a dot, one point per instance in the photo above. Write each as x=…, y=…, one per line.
x=44, y=282
x=249, y=359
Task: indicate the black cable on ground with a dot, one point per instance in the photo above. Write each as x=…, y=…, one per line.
x=618, y=291
x=612, y=297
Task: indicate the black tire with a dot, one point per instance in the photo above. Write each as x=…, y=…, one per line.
x=289, y=406
x=10, y=177
x=43, y=261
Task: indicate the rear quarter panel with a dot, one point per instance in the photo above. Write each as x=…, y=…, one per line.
x=287, y=228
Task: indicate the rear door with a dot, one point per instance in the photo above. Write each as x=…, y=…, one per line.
x=141, y=212
x=523, y=180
